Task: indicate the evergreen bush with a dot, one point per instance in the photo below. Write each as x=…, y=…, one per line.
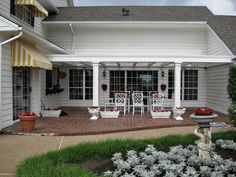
x=232, y=93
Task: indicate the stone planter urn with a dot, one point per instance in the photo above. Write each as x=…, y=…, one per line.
x=27, y=121
x=178, y=112
x=203, y=117
x=94, y=111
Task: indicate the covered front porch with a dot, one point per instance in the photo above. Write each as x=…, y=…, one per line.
x=77, y=122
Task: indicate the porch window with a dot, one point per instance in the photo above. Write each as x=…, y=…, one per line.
x=24, y=13
x=117, y=82
x=189, y=84
x=81, y=84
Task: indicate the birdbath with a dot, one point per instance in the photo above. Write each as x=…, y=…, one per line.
x=203, y=117
x=178, y=112
x=94, y=111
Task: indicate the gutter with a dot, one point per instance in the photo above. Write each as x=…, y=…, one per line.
x=72, y=32
x=2, y=43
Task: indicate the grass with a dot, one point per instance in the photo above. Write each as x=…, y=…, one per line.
x=56, y=163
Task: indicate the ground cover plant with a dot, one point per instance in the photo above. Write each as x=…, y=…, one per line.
x=63, y=163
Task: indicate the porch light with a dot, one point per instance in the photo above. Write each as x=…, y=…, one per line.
x=104, y=74
x=162, y=74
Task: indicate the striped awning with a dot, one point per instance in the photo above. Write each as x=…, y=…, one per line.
x=38, y=11
x=27, y=55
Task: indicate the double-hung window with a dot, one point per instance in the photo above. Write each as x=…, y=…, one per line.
x=81, y=84
x=189, y=84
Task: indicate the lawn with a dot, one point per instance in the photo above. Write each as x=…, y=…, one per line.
x=62, y=163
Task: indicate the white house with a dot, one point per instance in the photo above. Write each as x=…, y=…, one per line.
x=127, y=48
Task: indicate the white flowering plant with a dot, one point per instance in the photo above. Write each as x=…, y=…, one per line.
x=179, y=161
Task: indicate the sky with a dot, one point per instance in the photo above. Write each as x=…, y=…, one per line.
x=218, y=7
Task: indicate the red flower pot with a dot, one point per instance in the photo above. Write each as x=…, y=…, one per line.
x=27, y=123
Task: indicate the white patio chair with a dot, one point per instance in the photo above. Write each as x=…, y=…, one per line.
x=137, y=99
x=157, y=101
x=149, y=103
x=121, y=101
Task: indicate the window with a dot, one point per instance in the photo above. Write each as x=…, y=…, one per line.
x=24, y=13
x=48, y=79
x=190, y=84
x=81, y=84
x=189, y=90
x=117, y=82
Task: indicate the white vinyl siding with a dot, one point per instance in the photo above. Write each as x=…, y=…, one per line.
x=6, y=84
x=217, y=81
x=132, y=38
x=39, y=29
x=215, y=45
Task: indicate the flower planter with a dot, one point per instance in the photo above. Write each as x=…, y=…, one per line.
x=109, y=114
x=203, y=119
x=51, y=113
x=156, y=114
x=94, y=111
x=27, y=123
x=178, y=112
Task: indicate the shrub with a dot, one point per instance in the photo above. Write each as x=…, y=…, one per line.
x=232, y=93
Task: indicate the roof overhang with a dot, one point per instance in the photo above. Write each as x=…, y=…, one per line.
x=43, y=44
x=7, y=26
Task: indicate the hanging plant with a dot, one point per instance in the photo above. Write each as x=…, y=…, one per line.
x=104, y=87
x=163, y=87
x=62, y=75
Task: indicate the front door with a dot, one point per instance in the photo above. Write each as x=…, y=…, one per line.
x=21, y=90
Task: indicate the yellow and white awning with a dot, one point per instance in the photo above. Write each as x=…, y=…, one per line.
x=39, y=10
x=27, y=55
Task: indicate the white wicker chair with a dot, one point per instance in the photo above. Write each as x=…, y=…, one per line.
x=137, y=99
x=121, y=101
x=157, y=101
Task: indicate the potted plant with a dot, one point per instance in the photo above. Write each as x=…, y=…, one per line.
x=163, y=87
x=178, y=112
x=27, y=120
x=104, y=87
x=203, y=115
x=109, y=113
x=160, y=113
x=94, y=111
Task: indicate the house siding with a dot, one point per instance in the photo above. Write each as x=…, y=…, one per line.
x=6, y=85
x=215, y=45
x=38, y=28
x=132, y=38
x=217, y=80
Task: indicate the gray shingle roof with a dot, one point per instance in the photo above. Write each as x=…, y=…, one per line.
x=137, y=13
x=224, y=26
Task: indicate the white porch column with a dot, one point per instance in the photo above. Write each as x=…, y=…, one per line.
x=95, y=83
x=177, y=84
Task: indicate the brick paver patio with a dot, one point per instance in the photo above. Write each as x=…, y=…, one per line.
x=77, y=123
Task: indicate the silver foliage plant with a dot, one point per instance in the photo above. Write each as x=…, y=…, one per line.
x=177, y=162
x=226, y=144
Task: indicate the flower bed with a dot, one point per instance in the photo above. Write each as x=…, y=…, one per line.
x=158, y=113
x=50, y=113
x=109, y=113
x=179, y=161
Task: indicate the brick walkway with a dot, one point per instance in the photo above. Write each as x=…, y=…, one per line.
x=77, y=123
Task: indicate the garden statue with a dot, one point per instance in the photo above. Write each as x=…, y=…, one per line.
x=204, y=144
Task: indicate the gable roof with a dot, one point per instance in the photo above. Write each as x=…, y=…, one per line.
x=224, y=26
x=137, y=13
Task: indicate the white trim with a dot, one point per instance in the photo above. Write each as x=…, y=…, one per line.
x=214, y=33
x=125, y=22
x=140, y=58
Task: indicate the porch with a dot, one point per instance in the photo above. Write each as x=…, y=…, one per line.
x=77, y=123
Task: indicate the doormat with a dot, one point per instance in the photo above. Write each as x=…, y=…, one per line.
x=219, y=125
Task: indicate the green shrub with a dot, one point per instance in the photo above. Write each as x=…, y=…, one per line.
x=232, y=93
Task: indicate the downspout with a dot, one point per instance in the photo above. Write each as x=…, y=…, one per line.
x=2, y=43
x=72, y=32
